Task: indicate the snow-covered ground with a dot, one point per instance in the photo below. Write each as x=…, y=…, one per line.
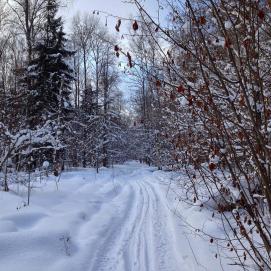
x=120, y=219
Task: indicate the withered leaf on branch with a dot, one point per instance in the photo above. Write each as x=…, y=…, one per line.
x=116, y=48
x=190, y=100
x=202, y=20
x=181, y=89
x=135, y=26
x=158, y=83
x=212, y=166
x=129, y=60
x=117, y=27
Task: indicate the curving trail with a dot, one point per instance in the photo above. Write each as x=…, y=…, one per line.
x=115, y=220
x=130, y=229
x=139, y=239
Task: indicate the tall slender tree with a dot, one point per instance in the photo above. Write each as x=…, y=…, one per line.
x=50, y=73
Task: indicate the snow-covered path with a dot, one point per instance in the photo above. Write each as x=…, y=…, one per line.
x=131, y=231
x=128, y=226
x=115, y=220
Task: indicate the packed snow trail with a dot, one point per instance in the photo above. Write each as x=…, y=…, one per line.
x=129, y=231
x=115, y=220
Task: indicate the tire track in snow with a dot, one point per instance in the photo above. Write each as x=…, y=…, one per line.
x=98, y=206
x=109, y=254
x=163, y=234
x=129, y=231
x=126, y=248
x=138, y=248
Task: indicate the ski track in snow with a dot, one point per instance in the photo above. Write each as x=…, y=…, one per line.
x=116, y=220
x=134, y=237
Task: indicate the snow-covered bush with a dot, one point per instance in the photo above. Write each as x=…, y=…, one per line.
x=23, y=146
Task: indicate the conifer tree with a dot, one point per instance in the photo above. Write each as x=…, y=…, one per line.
x=49, y=73
x=48, y=81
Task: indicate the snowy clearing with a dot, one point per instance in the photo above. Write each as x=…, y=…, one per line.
x=119, y=219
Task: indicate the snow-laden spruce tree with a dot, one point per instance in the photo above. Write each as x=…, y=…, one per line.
x=50, y=73
x=49, y=76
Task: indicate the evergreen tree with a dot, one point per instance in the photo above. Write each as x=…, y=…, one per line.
x=50, y=74
x=48, y=82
